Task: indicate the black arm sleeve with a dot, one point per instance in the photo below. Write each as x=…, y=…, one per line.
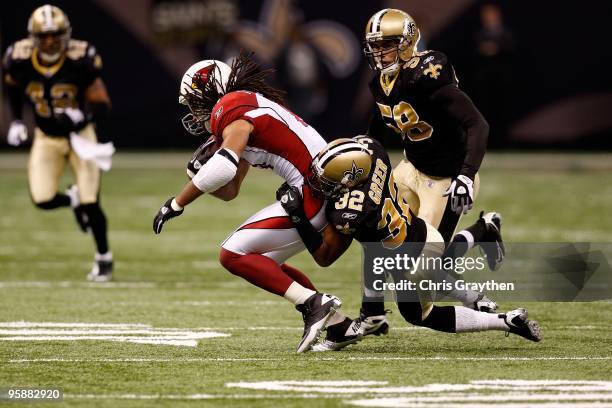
x=98, y=113
x=460, y=107
x=310, y=236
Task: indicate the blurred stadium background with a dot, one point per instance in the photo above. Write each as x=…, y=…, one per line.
x=541, y=80
x=538, y=71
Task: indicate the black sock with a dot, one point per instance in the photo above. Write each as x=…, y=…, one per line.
x=478, y=230
x=60, y=200
x=372, y=306
x=97, y=222
x=441, y=318
x=460, y=245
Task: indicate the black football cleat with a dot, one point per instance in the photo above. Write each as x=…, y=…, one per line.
x=316, y=311
x=102, y=271
x=340, y=335
x=374, y=325
x=492, y=243
x=518, y=324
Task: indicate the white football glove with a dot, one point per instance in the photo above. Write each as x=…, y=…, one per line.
x=461, y=192
x=17, y=134
x=75, y=115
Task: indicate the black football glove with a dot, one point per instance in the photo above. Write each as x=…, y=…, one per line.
x=461, y=192
x=201, y=156
x=164, y=214
x=291, y=200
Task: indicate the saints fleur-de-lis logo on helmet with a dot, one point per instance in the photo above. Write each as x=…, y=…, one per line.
x=352, y=176
x=341, y=165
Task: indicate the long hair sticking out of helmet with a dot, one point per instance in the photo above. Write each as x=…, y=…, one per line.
x=246, y=75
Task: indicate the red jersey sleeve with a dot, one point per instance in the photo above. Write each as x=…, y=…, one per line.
x=230, y=108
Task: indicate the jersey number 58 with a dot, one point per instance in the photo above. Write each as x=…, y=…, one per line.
x=404, y=120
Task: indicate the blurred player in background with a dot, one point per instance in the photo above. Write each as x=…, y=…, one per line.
x=60, y=77
x=443, y=134
x=250, y=127
x=363, y=203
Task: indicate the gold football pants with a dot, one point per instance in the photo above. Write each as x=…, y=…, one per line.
x=48, y=159
x=425, y=196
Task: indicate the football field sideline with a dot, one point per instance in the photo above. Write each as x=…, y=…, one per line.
x=142, y=338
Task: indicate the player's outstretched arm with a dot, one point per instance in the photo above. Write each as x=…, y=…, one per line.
x=218, y=171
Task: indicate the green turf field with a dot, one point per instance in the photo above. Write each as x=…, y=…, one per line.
x=96, y=340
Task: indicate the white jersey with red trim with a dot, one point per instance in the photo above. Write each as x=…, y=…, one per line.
x=280, y=140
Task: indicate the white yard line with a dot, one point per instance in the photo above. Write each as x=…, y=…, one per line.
x=140, y=334
x=92, y=332
x=247, y=359
x=82, y=285
x=71, y=324
x=194, y=396
x=506, y=401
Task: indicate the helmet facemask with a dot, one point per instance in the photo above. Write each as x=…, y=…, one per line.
x=317, y=181
x=375, y=52
x=59, y=44
x=205, y=90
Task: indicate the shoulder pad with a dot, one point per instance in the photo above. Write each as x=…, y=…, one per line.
x=434, y=69
x=76, y=49
x=20, y=50
x=220, y=115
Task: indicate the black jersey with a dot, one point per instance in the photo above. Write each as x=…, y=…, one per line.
x=373, y=212
x=61, y=85
x=433, y=142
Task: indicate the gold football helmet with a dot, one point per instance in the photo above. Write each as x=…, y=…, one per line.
x=50, y=30
x=341, y=165
x=387, y=32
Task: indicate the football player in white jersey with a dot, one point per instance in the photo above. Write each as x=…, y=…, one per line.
x=251, y=127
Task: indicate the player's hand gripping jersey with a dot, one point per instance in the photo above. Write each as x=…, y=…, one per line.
x=54, y=87
x=373, y=212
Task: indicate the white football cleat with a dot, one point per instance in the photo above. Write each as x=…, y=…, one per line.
x=340, y=335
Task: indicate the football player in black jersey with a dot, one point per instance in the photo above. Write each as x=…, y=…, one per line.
x=364, y=204
x=443, y=134
x=60, y=77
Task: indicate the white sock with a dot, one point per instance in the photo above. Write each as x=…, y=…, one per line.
x=468, y=237
x=335, y=319
x=105, y=257
x=468, y=320
x=297, y=294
